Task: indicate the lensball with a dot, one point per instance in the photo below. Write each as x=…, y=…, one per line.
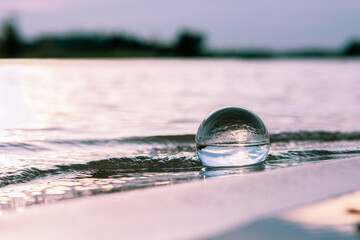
x=232, y=137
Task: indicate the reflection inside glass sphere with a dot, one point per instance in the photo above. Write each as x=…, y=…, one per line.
x=232, y=137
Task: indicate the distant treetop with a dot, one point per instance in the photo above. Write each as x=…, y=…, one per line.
x=11, y=42
x=352, y=48
x=189, y=43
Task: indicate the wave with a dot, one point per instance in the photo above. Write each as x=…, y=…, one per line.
x=139, y=163
x=318, y=136
x=176, y=163
x=107, y=167
x=164, y=139
x=187, y=139
x=309, y=155
x=24, y=146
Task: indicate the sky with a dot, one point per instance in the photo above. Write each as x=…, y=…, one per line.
x=276, y=24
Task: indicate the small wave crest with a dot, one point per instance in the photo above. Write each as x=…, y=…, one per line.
x=106, y=167
x=24, y=146
x=290, y=157
x=318, y=136
x=187, y=139
x=166, y=139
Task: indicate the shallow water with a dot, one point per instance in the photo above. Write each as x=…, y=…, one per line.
x=75, y=128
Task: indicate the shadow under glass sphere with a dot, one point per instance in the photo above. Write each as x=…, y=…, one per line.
x=232, y=137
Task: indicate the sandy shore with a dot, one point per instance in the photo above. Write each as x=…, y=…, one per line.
x=184, y=211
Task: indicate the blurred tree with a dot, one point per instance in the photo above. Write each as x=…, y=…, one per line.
x=11, y=42
x=352, y=48
x=189, y=43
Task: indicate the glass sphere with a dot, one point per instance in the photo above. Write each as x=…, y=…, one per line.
x=232, y=137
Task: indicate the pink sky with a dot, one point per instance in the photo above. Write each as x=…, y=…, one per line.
x=40, y=6
x=227, y=23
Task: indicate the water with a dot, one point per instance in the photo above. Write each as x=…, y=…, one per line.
x=76, y=128
x=231, y=137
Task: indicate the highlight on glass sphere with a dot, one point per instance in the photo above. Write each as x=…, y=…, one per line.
x=232, y=137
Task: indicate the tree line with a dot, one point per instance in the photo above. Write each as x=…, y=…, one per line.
x=187, y=43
